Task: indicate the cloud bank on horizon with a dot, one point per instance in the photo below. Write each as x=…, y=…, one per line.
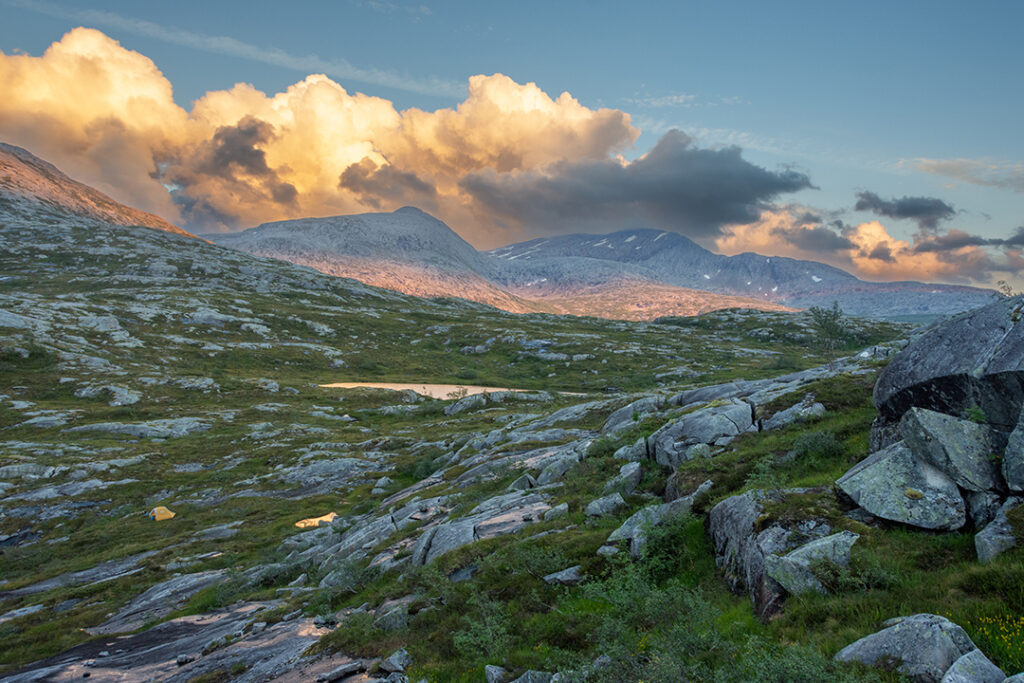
x=509, y=162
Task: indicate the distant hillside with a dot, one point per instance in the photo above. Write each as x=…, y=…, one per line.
x=412, y=252
x=25, y=176
x=548, y=266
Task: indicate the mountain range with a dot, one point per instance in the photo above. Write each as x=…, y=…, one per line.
x=631, y=274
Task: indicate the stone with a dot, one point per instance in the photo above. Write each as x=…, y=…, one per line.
x=627, y=479
x=794, y=572
x=605, y=506
x=567, y=577
x=560, y=510
x=555, y=470
x=974, y=667
x=806, y=409
x=607, y=550
x=393, y=619
x=495, y=674
x=1013, y=458
x=923, y=647
x=893, y=484
x=972, y=359
x=523, y=483
x=741, y=548
x=712, y=425
x=535, y=677
x=627, y=415
x=635, y=451
x=982, y=507
x=398, y=661
x=467, y=403
x=963, y=450
x=158, y=601
x=997, y=537
x=170, y=428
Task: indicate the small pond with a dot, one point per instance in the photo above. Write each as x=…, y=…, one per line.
x=442, y=391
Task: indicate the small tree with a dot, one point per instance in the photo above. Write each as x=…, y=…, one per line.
x=830, y=327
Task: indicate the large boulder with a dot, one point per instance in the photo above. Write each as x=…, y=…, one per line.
x=922, y=647
x=893, y=484
x=966, y=451
x=974, y=359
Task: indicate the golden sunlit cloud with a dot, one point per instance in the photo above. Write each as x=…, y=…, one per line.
x=240, y=157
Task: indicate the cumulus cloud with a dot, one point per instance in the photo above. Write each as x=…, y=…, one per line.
x=926, y=211
x=987, y=172
x=676, y=186
x=240, y=157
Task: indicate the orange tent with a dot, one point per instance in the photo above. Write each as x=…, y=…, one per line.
x=160, y=513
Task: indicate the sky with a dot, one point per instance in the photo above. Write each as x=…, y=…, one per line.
x=879, y=137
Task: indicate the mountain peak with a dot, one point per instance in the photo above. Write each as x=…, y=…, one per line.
x=27, y=177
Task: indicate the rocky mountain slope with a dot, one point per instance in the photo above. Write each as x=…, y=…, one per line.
x=412, y=252
x=25, y=176
x=696, y=499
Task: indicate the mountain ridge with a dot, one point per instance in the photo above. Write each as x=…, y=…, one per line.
x=28, y=177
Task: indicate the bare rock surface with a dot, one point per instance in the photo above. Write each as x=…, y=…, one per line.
x=893, y=484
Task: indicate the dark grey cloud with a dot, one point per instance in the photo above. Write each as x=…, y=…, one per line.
x=957, y=239
x=373, y=183
x=817, y=239
x=927, y=211
x=882, y=252
x=675, y=186
x=233, y=159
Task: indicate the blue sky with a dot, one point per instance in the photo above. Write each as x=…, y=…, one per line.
x=852, y=94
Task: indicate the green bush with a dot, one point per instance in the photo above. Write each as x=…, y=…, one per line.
x=817, y=446
x=488, y=631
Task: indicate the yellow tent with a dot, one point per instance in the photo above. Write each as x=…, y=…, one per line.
x=316, y=521
x=160, y=513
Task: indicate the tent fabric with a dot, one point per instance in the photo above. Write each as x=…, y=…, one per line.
x=160, y=513
x=311, y=522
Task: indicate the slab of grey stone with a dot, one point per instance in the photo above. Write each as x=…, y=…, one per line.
x=1013, y=457
x=893, y=484
x=158, y=601
x=806, y=409
x=794, y=572
x=974, y=667
x=567, y=577
x=965, y=451
x=997, y=537
x=605, y=505
x=627, y=479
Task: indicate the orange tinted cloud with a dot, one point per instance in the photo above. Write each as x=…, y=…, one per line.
x=867, y=250
x=239, y=157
